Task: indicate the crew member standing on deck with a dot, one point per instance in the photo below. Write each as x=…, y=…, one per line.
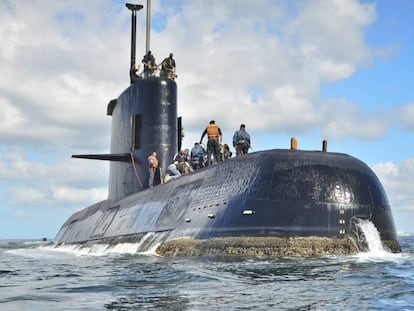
x=153, y=169
x=215, y=137
x=241, y=141
x=197, y=156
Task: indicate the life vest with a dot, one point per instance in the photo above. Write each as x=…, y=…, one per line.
x=212, y=131
x=152, y=162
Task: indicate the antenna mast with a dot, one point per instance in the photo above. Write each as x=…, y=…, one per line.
x=147, y=40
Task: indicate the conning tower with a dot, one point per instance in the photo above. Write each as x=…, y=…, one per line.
x=144, y=119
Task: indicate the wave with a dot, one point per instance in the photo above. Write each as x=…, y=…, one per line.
x=100, y=249
x=402, y=233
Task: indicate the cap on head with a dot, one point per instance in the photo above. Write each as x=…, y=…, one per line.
x=212, y=122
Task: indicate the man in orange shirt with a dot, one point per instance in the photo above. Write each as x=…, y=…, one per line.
x=153, y=168
x=215, y=137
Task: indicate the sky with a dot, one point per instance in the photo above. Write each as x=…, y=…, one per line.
x=339, y=70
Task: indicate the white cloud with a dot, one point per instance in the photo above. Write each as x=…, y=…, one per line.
x=71, y=64
x=10, y=118
x=221, y=61
x=345, y=120
x=30, y=196
x=397, y=179
x=54, y=85
x=31, y=182
x=79, y=195
x=14, y=167
x=333, y=29
x=20, y=214
x=56, y=196
x=406, y=115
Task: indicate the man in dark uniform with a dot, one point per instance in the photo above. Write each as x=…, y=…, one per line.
x=149, y=65
x=241, y=141
x=168, y=67
x=197, y=156
x=133, y=74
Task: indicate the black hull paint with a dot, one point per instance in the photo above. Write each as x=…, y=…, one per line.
x=269, y=193
x=274, y=193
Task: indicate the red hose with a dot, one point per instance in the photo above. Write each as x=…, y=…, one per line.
x=135, y=170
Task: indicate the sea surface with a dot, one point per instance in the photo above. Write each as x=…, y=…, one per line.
x=35, y=275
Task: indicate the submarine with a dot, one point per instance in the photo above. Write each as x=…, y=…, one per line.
x=273, y=202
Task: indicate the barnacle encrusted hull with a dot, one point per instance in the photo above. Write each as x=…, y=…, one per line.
x=260, y=246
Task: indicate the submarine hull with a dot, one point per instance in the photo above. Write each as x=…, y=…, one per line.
x=258, y=197
x=273, y=193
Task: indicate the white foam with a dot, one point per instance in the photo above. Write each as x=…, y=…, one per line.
x=376, y=248
x=77, y=249
x=95, y=249
x=151, y=251
x=105, y=249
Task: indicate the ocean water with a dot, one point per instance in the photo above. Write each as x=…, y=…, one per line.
x=36, y=276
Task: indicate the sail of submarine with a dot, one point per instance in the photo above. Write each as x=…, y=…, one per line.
x=271, y=202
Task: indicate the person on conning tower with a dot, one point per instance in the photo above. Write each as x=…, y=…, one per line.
x=168, y=67
x=149, y=65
